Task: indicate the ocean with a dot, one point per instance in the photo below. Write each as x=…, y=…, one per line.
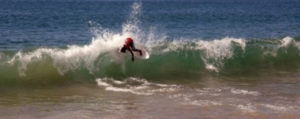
x=208, y=59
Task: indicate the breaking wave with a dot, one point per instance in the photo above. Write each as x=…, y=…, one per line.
x=169, y=58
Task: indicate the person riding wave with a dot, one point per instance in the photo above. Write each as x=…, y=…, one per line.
x=129, y=45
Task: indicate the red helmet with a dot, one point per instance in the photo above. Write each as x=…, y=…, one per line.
x=129, y=40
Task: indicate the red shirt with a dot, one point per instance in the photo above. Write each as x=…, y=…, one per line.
x=128, y=42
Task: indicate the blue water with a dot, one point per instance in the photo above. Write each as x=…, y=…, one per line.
x=35, y=23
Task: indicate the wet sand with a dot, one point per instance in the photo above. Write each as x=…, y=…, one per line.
x=142, y=99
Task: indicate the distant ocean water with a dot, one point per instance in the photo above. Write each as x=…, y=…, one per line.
x=26, y=23
x=205, y=56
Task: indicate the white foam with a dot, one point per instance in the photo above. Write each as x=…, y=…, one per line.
x=134, y=85
x=72, y=57
x=283, y=44
x=244, y=92
x=247, y=108
x=102, y=83
x=209, y=66
x=126, y=90
x=110, y=84
x=203, y=102
x=276, y=107
x=220, y=49
x=287, y=41
x=174, y=46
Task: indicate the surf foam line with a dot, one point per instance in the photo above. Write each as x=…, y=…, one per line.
x=186, y=59
x=135, y=85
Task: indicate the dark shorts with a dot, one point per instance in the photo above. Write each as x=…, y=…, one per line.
x=123, y=49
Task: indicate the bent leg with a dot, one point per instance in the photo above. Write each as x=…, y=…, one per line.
x=138, y=50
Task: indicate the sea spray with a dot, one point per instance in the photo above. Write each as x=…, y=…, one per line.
x=87, y=56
